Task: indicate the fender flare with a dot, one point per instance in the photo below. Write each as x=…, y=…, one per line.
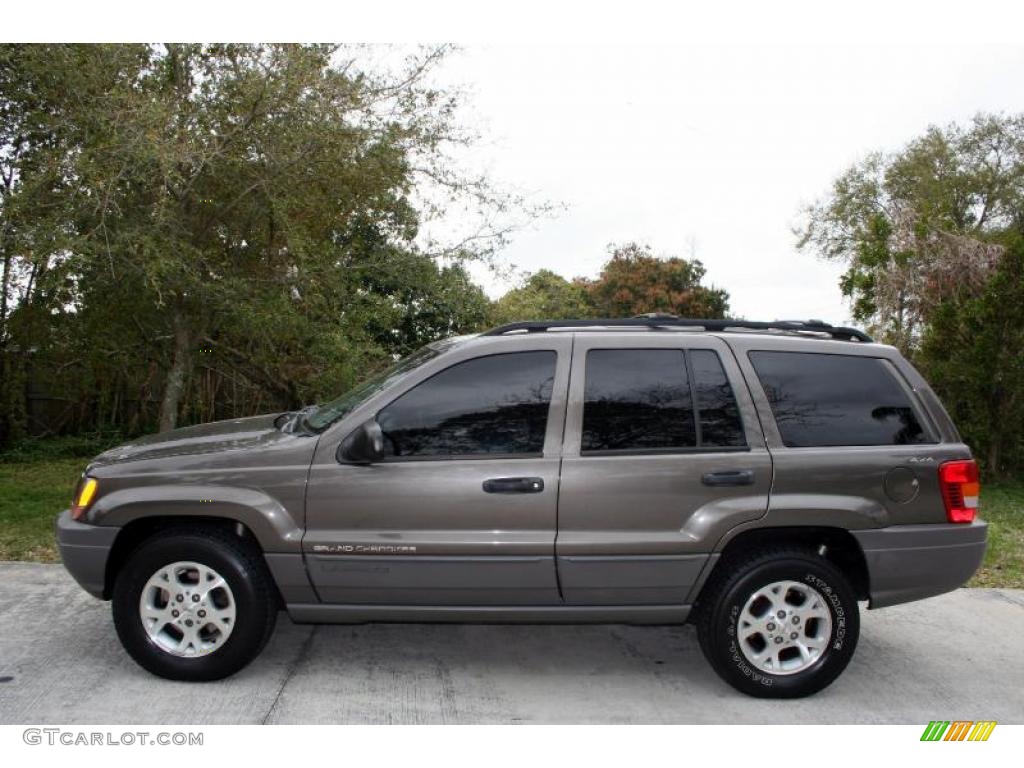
x=272, y=525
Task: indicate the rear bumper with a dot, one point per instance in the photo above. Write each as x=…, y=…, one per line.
x=910, y=562
x=84, y=549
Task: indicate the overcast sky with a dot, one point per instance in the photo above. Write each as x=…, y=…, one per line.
x=712, y=151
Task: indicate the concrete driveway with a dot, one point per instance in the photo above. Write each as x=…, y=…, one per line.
x=958, y=656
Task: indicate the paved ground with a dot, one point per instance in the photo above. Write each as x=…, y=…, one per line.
x=958, y=656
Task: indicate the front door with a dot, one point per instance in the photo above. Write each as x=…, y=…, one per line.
x=663, y=454
x=463, y=509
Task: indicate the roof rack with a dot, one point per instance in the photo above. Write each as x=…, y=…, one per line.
x=658, y=321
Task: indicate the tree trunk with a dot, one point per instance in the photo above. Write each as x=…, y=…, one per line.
x=13, y=402
x=993, y=458
x=5, y=280
x=175, y=384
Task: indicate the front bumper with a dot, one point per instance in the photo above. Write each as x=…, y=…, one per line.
x=85, y=549
x=910, y=562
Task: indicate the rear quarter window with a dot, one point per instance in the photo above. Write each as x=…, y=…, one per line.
x=835, y=400
x=719, y=423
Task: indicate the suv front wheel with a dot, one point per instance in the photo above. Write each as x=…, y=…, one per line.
x=778, y=624
x=191, y=605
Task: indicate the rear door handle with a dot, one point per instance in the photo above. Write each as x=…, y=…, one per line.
x=514, y=485
x=729, y=477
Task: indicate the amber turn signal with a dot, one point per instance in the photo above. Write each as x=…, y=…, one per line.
x=86, y=493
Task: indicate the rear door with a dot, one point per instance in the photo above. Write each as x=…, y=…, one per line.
x=663, y=453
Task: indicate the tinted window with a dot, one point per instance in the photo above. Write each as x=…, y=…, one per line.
x=637, y=399
x=822, y=400
x=496, y=404
x=720, y=424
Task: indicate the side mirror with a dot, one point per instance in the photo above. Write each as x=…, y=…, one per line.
x=364, y=446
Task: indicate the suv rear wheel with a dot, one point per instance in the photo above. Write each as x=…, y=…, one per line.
x=194, y=605
x=778, y=624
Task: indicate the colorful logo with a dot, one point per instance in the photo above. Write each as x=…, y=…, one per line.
x=958, y=730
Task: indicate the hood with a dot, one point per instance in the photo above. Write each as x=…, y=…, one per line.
x=217, y=436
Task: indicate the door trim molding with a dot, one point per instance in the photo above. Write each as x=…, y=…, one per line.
x=306, y=613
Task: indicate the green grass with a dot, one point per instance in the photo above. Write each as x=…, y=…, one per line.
x=33, y=490
x=32, y=494
x=1002, y=506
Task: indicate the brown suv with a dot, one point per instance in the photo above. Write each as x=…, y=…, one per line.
x=757, y=478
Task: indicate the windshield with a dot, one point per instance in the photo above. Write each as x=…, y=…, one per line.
x=333, y=410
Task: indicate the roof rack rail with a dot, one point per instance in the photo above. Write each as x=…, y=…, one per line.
x=657, y=321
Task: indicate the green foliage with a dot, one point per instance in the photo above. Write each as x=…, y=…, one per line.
x=904, y=224
x=973, y=354
x=43, y=449
x=193, y=232
x=544, y=296
x=203, y=231
x=632, y=282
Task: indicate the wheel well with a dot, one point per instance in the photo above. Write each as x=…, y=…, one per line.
x=840, y=548
x=139, y=530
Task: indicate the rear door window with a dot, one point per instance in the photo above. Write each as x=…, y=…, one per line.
x=637, y=399
x=832, y=400
x=645, y=400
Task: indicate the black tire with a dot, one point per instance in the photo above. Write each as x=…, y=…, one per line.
x=725, y=596
x=242, y=567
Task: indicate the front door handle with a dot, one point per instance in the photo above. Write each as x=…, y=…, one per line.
x=514, y=485
x=729, y=477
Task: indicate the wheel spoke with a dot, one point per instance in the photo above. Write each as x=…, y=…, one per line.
x=774, y=597
x=216, y=584
x=805, y=652
x=224, y=614
x=158, y=616
x=749, y=619
x=762, y=657
x=186, y=642
x=816, y=611
x=220, y=623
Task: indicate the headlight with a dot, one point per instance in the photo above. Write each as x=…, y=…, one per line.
x=83, y=497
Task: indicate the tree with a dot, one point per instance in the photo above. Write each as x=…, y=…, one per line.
x=543, y=296
x=229, y=215
x=38, y=138
x=634, y=281
x=973, y=353
x=913, y=227
x=931, y=237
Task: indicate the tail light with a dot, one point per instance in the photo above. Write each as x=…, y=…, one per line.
x=960, y=488
x=84, y=495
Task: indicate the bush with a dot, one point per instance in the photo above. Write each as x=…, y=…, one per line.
x=66, y=447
